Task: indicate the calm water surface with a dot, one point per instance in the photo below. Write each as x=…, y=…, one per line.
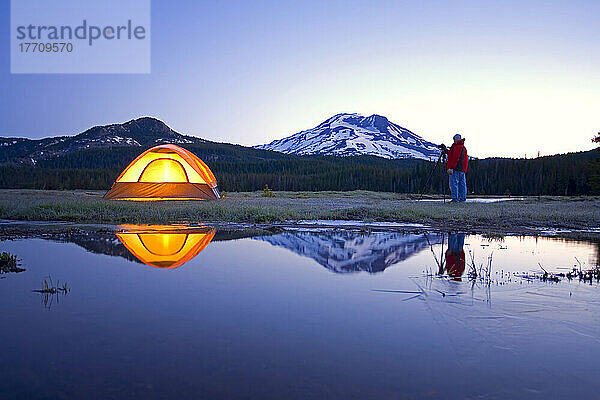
x=299, y=314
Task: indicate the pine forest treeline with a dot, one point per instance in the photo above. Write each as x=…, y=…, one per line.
x=242, y=169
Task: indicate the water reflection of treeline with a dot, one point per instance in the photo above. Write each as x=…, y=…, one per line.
x=105, y=241
x=338, y=250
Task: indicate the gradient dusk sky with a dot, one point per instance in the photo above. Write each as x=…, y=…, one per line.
x=514, y=77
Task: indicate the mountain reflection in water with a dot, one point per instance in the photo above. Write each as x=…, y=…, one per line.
x=344, y=251
x=164, y=246
x=170, y=246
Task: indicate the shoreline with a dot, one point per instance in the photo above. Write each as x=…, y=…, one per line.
x=545, y=215
x=18, y=229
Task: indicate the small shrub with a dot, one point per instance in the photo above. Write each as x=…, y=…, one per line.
x=267, y=192
x=265, y=218
x=9, y=263
x=49, y=287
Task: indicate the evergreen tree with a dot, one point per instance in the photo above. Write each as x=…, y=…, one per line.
x=594, y=170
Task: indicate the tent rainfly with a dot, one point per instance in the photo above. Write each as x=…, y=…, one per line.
x=165, y=172
x=165, y=246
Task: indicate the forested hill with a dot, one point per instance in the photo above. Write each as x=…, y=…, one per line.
x=94, y=158
x=135, y=134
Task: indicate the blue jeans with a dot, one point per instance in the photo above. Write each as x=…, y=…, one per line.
x=456, y=242
x=458, y=186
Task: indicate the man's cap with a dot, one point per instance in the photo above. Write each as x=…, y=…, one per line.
x=457, y=137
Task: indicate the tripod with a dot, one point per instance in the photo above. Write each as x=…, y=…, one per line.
x=440, y=161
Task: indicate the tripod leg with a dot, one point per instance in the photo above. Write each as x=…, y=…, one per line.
x=430, y=175
x=444, y=184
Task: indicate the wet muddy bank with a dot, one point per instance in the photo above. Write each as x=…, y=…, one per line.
x=63, y=231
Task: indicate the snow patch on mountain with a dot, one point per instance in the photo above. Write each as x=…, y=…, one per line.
x=353, y=134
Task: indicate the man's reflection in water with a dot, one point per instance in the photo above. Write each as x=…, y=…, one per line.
x=455, y=256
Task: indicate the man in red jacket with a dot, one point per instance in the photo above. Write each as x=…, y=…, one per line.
x=455, y=255
x=458, y=160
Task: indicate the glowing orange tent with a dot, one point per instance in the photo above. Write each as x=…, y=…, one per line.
x=165, y=246
x=165, y=172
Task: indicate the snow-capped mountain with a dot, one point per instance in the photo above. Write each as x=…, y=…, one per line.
x=343, y=251
x=352, y=135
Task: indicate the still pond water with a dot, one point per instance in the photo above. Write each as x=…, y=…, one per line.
x=321, y=313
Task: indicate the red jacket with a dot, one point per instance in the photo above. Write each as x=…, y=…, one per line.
x=457, y=157
x=455, y=264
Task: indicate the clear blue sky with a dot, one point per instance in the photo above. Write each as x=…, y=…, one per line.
x=514, y=77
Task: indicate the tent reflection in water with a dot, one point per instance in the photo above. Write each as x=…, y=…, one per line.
x=165, y=172
x=165, y=246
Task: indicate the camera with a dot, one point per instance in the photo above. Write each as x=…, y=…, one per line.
x=443, y=148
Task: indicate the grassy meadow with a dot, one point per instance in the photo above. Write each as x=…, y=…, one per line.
x=255, y=207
